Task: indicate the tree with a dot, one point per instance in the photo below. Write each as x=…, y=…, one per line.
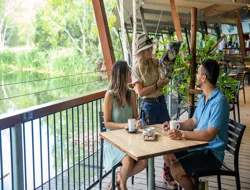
x=8, y=28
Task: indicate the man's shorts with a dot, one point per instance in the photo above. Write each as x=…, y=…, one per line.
x=197, y=160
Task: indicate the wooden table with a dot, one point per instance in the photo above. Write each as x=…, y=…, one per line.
x=138, y=149
x=239, y=67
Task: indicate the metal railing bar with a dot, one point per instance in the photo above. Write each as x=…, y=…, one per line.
x=33, y=155
x=78, y=133
x=24, y=155
x=83, y=144
x=48, y=144
x=67, y=127
x=73, y=144
x=11, y=158
x=88, y=142
x=1, y=159
x=97, y=181
x=54, y=121
x=93, y=137
x=61, y=148
x=41, y=148
x=97, y=127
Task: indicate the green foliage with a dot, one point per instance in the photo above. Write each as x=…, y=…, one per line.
x=181, y=76
x=224, y=82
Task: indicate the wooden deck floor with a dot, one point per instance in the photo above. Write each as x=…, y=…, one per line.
x=228, y=183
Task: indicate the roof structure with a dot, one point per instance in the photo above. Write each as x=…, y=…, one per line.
x=158, y=16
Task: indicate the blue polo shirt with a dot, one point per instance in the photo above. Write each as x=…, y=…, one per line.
x=215, y=113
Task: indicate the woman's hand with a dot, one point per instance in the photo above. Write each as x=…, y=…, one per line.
x=165, y=126
x=139, y=124
x=162, y=82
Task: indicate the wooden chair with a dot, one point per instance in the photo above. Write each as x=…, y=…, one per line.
x=235, y=134
x=241, y=77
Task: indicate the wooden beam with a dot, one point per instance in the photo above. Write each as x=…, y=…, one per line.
x=184, y=16
x=143, y=21
x=193, y=60
x=176, y=20
x=240, y=32
x=221, y=2
x=155, y=6
x=103, y=29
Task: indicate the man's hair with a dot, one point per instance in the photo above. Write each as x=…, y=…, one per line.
x=211, y=69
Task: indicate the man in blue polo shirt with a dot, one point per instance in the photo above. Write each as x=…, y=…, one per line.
x=209, y=123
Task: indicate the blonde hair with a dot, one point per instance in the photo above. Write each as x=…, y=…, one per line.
x=146, y=66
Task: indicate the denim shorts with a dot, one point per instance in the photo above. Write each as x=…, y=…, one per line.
x=154, y=112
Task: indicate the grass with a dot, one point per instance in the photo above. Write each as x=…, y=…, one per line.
x=54, y=62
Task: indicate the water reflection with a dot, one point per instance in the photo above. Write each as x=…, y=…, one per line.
x=15, y=95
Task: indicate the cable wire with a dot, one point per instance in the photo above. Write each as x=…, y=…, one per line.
x=50, y=90
x=37, y=80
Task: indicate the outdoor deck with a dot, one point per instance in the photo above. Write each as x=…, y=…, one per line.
x=228, y=183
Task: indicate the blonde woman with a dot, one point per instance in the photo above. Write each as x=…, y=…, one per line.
x=148, y=85
x=119, y=106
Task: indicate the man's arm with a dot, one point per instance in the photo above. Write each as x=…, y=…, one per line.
x=203, y=135
x=188, y=125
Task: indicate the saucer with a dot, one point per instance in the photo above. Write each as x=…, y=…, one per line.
x=135, y=131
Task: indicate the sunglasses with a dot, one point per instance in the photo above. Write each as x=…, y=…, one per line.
x=148, y=41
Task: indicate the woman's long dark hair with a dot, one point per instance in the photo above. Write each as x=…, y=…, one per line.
x=119, y=80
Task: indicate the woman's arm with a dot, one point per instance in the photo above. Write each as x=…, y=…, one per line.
x=108, y=114
x=145, y=91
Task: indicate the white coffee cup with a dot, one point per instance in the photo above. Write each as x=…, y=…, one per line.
x=131, y=124
x=174, y=124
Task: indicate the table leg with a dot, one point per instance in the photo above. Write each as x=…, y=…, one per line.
x=151, y=177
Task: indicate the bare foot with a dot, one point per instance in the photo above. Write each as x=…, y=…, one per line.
x=118, y=178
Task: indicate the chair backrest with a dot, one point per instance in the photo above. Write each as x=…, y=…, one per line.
x=235, y=94
x=241, y=76
x=235, y=134
x=102, y=126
